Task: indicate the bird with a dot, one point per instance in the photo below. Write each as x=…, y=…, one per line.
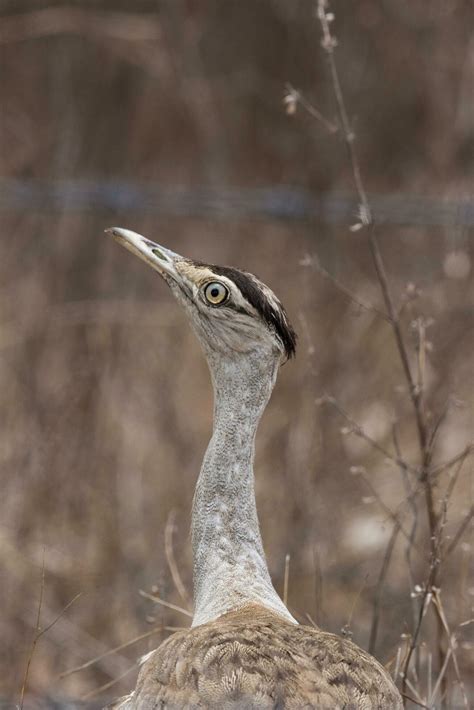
x=244, y=649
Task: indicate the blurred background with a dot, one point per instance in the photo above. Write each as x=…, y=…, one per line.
x=167, y=117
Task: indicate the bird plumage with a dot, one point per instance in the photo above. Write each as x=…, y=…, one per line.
x=245, y=649
x=252, y=659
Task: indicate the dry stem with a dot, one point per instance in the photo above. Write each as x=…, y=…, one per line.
x=286, y=580
x=39, y=632
x=169, y=551
x=158, y=600
x=426, y=439
x=379, y=589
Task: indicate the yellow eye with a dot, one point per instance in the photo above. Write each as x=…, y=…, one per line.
x=216, y=293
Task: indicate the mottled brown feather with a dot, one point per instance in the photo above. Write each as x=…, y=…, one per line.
x=252, y=658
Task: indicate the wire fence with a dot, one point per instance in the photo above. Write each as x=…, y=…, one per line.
x=280, y=202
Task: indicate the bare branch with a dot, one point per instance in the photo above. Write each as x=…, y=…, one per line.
x=415, y=389
x=169, y=552
x=329, y=43
x=460, y=532
x=346, y=629
x=411, y=499
x=315, y=263
x=389, y=512
x=95, y=660
x=425, y=601
x=168, y=605
x=453, y=480
x=437, y=425
x=417, y=702
x=459, y=457
x=36, y=636
x=438, y=605
x=61, y=613
x=440, y=678
x=358, y=430
x=39, y=632
x=286, y=580
x=379, y=588
x=294, y=97
x=110, y=684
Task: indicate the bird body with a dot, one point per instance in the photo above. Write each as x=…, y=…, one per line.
x=252, y=658
x=245, y=649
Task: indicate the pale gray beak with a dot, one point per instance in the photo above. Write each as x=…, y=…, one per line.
x=158, y=257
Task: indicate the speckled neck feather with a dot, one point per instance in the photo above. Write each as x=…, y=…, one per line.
x=230, y=569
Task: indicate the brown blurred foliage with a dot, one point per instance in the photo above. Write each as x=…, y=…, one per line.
x=106, y=400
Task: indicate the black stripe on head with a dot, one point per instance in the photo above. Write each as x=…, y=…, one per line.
x=275, y=318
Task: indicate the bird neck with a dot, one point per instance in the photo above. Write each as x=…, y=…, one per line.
x=230, y=569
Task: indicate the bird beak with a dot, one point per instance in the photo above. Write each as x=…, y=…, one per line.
x=158, y=257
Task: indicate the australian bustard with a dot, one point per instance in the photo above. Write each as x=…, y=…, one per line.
x=244, y=650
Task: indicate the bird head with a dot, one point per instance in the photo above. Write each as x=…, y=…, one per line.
x=231, y=311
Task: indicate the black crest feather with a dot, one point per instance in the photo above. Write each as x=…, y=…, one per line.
x=275, y=318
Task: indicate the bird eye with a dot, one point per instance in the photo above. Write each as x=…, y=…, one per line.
x=216, y=293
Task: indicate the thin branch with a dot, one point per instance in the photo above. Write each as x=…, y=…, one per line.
x=61, y=613
x=39, y=632
x=329, y=43
x=428, y=594
x=387, y=510
x=346, y=629
x=314, y=262
x=440, y=678
x=169, y=552
x=420, y=326
x=437, y=425
x=95, y=660
x=438, y=605
x=318, y=586
x=412, y=502
x=110, y=684
x=379, y=588
x=157, y=600
x=412, y=688
x=293, y=97
x=417, y=702
x=36, y=636
x=415, y=393
x=460, y=532
x=358, y=430
x=415, y=389
x=453, y=480
x=467, y=451
x=286, y=579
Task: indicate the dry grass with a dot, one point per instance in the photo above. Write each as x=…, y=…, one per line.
x=106, y=399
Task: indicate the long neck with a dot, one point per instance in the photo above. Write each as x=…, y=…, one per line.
x=230, y=569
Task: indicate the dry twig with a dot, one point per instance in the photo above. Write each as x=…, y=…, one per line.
x=173, y=567
x=294, y=97
x=109, y=684
x=314, y=262
x=168, y=605
x=95, y=660
x=426, y=438
x=460, y=532
x=39, y=632
x=379, y=588
x=286, y=580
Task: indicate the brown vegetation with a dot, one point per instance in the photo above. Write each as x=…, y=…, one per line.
x=362, y=458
